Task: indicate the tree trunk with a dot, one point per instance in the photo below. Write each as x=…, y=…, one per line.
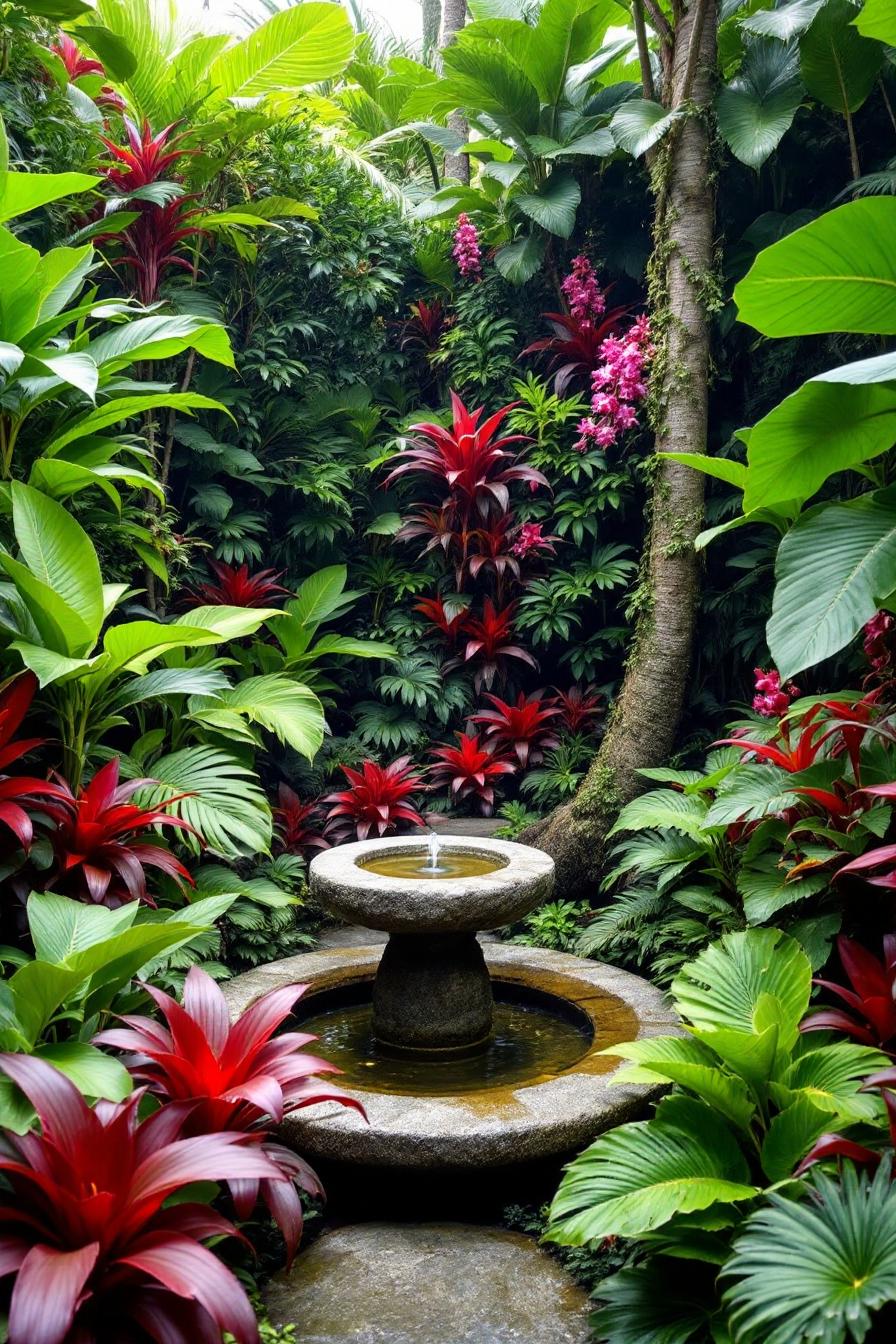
x=432, y=21
x=645, y=718
x=454, y=16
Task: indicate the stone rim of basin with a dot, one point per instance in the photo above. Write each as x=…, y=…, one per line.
x=423, y=905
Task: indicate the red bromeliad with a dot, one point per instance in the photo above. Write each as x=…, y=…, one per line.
x=98, y=855
x=789, y=755
x=470, y=458
x=489, y=643
x=295, y=823
x=153, y=241
x=448, y=623
x=376, y=801
x=236, y=587
x=871, y=998
x=579, y=708
x=240, y=1077
x=527, y=727
x=426, y=326
x=574, y=346
x=20, y=795
x=97, y=1256
x=470, y=769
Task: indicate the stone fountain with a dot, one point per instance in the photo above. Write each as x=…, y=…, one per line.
x=466, y=1055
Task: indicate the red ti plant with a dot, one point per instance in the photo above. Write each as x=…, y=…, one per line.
x=20, y=795
x=527, y=726
x=152, y=243
x=574, y=346
x=236, y=587
x=75, y=62
x=426, y=326
x=295, y=823
x=871, y=998
x=240, y=1079
x=489, y=643
x=579, y=707
x=449, y=623
x=375, y=801
x=97, y=1256
x=470, y=769
x=99, y=857
x=470, y=458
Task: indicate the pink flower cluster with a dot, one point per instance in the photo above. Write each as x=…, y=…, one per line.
x=466, y=247
x=529, y=538
x=582, y=292
x=617, y=386
x=772, y=699
x=878, y=642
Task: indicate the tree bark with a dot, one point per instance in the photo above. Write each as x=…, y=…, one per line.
x=432, y=21
x=644, y=720
x=454, y=16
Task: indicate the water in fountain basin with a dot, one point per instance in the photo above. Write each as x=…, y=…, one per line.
x=433, y=862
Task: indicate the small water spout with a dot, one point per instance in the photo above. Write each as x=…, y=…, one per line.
x=434, y=846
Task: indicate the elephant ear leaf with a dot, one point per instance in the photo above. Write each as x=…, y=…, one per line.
x=747, y=982
x=638, y=1177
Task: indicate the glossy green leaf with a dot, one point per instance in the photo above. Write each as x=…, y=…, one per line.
x=59, y=553
x=785, y=22
x=757, y=107
x=520, y=260
x=125, y=408
x=837, y=273
x=877, y=19
x=640, y=124
x=24, y=192
x=838, y=65
x=160, y=337
x=225, y=802
x=297, y=46
x=835, y=567
x=554, y=206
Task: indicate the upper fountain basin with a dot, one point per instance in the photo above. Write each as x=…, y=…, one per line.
x=524, y=879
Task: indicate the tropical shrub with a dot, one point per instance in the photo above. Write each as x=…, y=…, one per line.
x=470, y=770
x=377, y=799
x=525, y=727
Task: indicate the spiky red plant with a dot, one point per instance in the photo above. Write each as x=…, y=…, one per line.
x=99, y=856
x=526, y=727
x=75, y=62
x=789, y=754
x=473, y=462
x=426, y=326
x=447, y=623
x=871, y=998
x=20, y=795
x=579, y=707
x=152, y=243
x=240, y=1078
x=236, y=587
x=375, y=801
x=98, y=1257
x=470, y=769
x=574, y=346
x=295, y=823
x=489, y=643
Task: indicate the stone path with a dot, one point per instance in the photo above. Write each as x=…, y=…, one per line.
x=431, y=1283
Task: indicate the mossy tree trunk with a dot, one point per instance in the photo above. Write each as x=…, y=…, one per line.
x=645, y=718
x=454, y=16
x=432, y=22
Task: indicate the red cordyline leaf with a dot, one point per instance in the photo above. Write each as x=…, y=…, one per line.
x=883, y=856
x=99, y=855
x=488, y=643
x=470, y=768
x=835, y=1145
x=75, y=62
x=21, y=795
x=473, y=462
x=426, y=326
x=236, y=587
x=792, y=757
x=296, y=822
x=526, y=727
x=83, y=1226
x=871, y=999
x=574, y=346
x=376, y=800
x=433, y=608
x=240, y=1077
x=579, y=707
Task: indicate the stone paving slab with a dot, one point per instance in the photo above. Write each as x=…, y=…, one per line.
x=430, y=1283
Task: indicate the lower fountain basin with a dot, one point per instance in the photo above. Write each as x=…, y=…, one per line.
x=553, y=1110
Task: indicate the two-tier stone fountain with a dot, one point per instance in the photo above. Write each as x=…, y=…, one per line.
x=465, y=1055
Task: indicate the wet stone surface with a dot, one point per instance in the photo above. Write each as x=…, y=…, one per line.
x=432, y=1283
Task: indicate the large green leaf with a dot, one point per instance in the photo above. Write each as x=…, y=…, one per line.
x=790, y=1135
x=229, y=622
x=159, y=337
x=758, y=106
x=639, y=1176
x=839, y=66
x=59, y=553
x=665, y=809
x=835, y=567
x=124, y=408
x=225, y=804
x=653, y=1304
x=758, y=973
x=567, y=33
x=554, y=205
x=877, y=18
x=484, y=78
x=518, y=261
x=837, y=273
x=24, y=192
x=692, y=1065
x=136, y=643
x=785, y=22
x=817, y=1269
x=750, y=793
x=831, y=1077
x=118, y=58
x=286, y=708
x=301, y=45
x=835, y=421
x=320, y=596
x=639, y=124
x=60, y=926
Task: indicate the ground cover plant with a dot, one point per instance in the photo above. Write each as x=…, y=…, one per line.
x=503, y=431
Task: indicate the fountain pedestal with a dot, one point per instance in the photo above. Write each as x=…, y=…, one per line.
x=432, y=993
